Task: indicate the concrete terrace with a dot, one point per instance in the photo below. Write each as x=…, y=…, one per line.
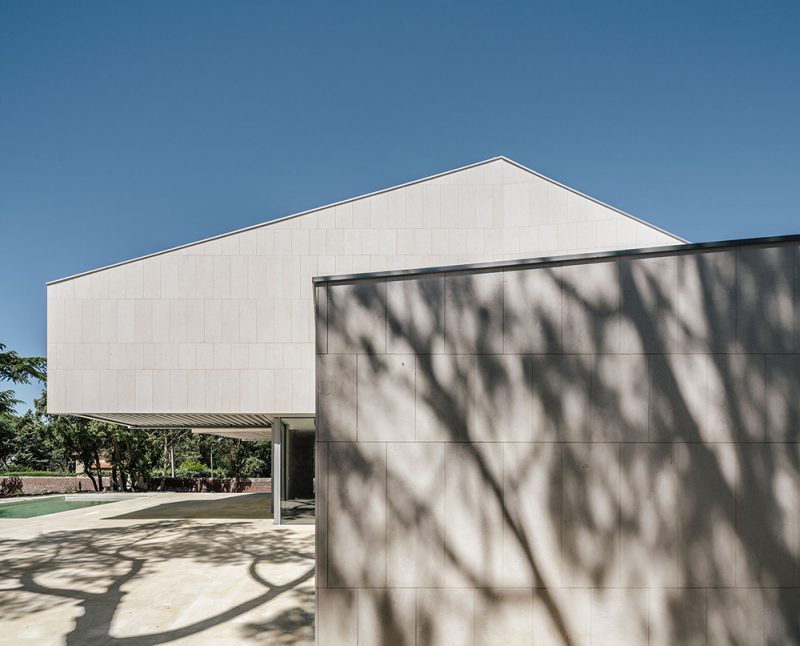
x=158, y=569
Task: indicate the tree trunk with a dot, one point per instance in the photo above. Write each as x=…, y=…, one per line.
x=99, y=471
x=123, y=475
x=88, y=471
x=237, y=466
x=164, y=465
x=114, y=462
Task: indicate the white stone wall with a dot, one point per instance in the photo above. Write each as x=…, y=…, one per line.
x=602, y=452
x=225, y=326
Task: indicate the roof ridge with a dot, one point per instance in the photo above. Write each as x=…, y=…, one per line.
x=284, y=218
x=593, y=199
x=361, y=197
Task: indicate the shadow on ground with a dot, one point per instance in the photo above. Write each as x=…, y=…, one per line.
x=298, y=511
x=97, y=569
x=254, y=506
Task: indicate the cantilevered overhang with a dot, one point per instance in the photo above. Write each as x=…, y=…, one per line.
x=248, y=434
x=214, y=421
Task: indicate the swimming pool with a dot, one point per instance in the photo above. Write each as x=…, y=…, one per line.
x=31, y=508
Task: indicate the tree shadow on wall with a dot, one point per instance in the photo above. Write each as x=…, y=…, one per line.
x=616, y=439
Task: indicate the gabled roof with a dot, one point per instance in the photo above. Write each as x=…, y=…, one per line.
x=677, y=239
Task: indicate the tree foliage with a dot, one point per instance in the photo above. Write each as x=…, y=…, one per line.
x=18, y=370
x=8, y=433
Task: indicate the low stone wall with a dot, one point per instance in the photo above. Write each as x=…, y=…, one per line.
x=19, y=485
x=223, y=485
x=10, y=485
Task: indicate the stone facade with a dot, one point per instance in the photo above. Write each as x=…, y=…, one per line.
x=225, y=326
x=600, y=451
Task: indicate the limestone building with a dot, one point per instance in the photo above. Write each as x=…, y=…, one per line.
x=218, y=335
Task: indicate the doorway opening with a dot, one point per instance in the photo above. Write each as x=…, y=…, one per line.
x=293, y=454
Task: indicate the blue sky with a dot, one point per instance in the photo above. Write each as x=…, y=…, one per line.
x=126, y=128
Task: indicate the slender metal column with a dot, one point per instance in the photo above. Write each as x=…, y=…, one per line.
x=277, y=468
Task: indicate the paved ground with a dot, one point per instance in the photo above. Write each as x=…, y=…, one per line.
x=158, y=569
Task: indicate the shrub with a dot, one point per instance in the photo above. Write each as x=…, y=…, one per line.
x=255, y=467
x=192, y=469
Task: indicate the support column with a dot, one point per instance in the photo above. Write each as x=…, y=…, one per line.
x=277, y=468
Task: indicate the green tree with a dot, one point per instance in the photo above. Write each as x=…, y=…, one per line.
x=255, y=467
x=32, y=448
x=84, y=440
x=133, y=456
x=32, y=444
x=18, y=370
x=8, y=432
x=172, y=441
x=192, y=468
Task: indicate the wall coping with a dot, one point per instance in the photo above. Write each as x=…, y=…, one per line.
x=550, y=260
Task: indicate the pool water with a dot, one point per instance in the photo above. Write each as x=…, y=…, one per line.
x=33, y=508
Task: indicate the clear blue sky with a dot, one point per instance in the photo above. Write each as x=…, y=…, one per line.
x=129, y=127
